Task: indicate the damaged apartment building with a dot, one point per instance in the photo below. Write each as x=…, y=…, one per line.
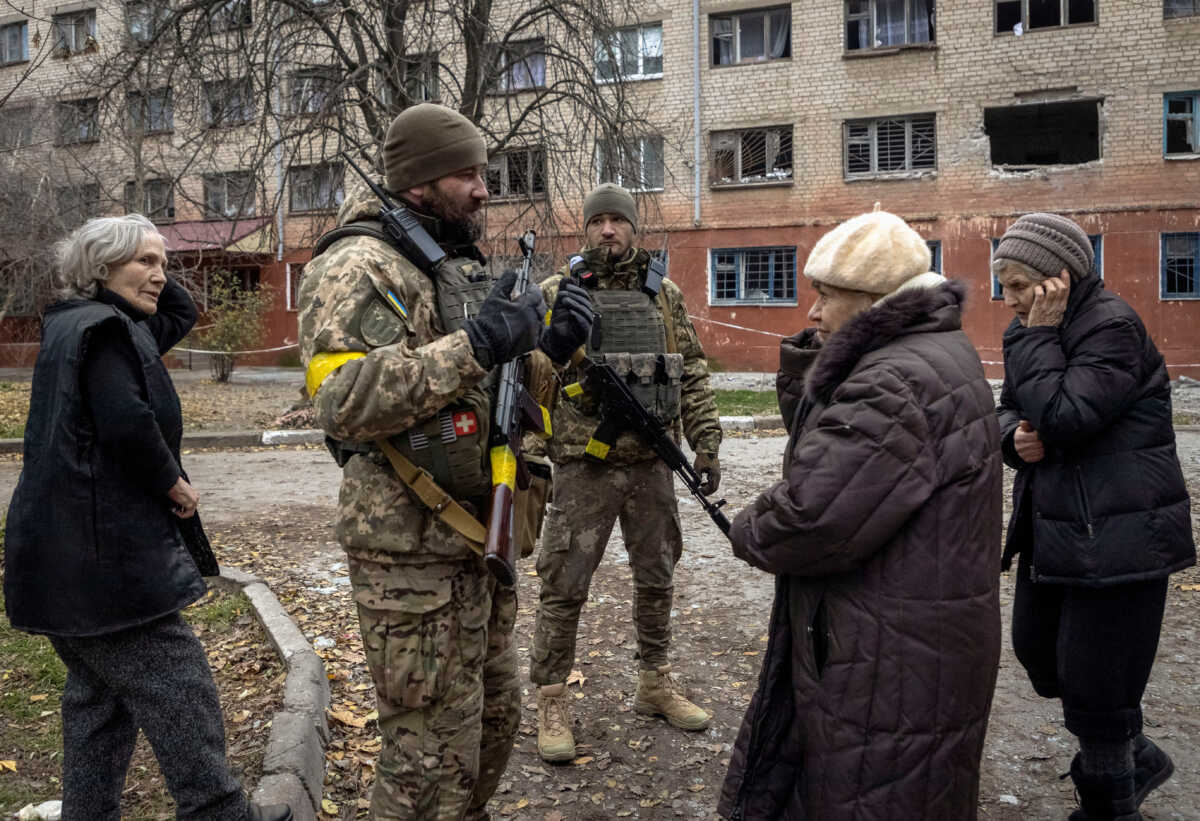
x=758, y=127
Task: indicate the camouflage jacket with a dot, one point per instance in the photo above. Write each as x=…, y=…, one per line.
x=700, y=422
x=363, y=390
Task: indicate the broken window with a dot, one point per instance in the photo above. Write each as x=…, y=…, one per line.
x=890, y=145
x=157, y=199
x=633, y=53
x=1180, y=8
x=14, y=42
x=522, y=65
x=888, y=23
x=1018, y=16
x=762, y=275
x=315, y=187
x=751, y=36
x=229, y=195
x=151, y=112
x=1065, y=133
x=78, y=121
x=752, y=155
x=1181, y=265
x=517, y=173
x=1181, y=123
x=635, y=164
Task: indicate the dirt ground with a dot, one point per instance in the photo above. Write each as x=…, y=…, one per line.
x=269, y=511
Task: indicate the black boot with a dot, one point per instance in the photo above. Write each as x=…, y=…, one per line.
x=1104, y=798
x=1151, y=768
x=270, y=812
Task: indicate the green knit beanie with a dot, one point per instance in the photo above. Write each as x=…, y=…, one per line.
x=427, y=142
x=610, y=198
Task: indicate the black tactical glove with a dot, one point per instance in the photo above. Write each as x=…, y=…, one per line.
x=708, y=463
x=570, y=323
x=506, y=328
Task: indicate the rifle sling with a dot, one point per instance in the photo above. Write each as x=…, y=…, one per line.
x=436, y=499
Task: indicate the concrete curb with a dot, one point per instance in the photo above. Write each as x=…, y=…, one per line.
x=294, y=761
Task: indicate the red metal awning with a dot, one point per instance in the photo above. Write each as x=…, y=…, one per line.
x=215, y=235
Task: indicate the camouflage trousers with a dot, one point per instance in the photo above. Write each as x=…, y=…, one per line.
x=588, y=499
x=439, y=644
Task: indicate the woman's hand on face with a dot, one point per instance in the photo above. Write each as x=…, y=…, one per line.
x=1027, y=443
x=1050, y=301
x=184, y=499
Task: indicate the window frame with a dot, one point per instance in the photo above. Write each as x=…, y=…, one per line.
x=618, y=53
x=139, y=103
x=149, y=187
x=520, y=51
x=423, y=68
x=223, y=90
x=1194, y=98
x=83, y=198
x=871, y=16
x=1163, y=294
x=293, y=276
x=338, y=192
x=7, y=59
x=325, y=74
x=607, y=148
x=909, y=171
x=535, y=157
x=935, y=255
x=1063, y=14
x=222, y=18
x=23, y=115
x=1195, y=12
x=740, y=298
x=739, y=179
x=157, y=12
x=735, y=18
x=76, y=107
x=248, y=206
x=85, y=16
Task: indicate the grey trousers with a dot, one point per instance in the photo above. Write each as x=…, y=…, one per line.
x=155, y=678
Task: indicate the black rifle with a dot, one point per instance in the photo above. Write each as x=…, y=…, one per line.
x=404, y=229
x=515, y=412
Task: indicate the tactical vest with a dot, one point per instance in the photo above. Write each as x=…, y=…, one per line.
x=451, y=445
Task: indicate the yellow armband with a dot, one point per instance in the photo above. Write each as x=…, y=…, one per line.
x=323, y=364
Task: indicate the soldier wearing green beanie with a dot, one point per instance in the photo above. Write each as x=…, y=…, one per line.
x=394, y=361
x=644, y=328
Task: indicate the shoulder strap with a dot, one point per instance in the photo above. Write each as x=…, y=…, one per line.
x=436, y=499
x=664, y=308
x=362, y=228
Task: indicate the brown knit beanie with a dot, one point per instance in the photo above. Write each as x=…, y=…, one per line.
x=1047, y=243
x=610, y=198
x=427, y=142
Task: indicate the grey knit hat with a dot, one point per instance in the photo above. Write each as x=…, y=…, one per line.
x=428, y=141
x=610, y=198
x=1047, y=243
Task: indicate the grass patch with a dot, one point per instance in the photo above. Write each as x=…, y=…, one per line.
x=14, y=408
x=747, y=403
x=217, y=612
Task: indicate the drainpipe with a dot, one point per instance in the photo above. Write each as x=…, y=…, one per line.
x=278, y=152
x=696, y=112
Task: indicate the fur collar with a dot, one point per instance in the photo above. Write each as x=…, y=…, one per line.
x=919, y=310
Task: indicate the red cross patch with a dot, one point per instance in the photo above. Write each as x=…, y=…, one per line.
x=465, y=423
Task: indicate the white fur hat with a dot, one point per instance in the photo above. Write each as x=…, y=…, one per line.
x=876, y=253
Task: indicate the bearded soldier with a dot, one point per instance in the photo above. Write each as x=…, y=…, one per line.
x=643, y=330
x=397, y=362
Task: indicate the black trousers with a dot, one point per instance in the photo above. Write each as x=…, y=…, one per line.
x=1091, y=647
x=156, y=678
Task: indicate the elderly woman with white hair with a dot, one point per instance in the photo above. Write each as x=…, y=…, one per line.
x=1101, y=514
x=95, y=557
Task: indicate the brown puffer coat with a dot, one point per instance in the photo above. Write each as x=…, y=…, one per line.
x=884, y=536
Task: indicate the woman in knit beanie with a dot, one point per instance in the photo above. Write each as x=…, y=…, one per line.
x=877, y=682
x=1100, y=511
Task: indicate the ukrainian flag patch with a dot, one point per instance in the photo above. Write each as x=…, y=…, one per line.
x=397, y=304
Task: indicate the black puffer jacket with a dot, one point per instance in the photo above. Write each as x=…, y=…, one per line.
x=885, y=537
x=1108, y=503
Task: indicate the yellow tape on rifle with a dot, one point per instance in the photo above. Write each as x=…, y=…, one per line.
x=504, y=466
x=597, y=448
x=573, y=390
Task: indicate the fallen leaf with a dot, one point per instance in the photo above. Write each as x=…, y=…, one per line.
x=328, y=807
x=583, y=759
x=576, y=677
x=11, y=766
x=348, y=718
x=38, y=697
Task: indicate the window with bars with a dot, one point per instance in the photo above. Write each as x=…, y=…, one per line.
x=517, y=173
x=521, y=66
x=635, y=164
x=753, y=275
x=419, y=76
x=14, y=42
x=311, y=90
x=16, y=126
x=157, y=199
x=1181, y=265
x=315, y=187
x=751, y=155
x=150, y=112
x=1180, y=8
x=1181, y=123
x=78, y=121
x=228, y=195
x=633, y=53
x=935, y=255
x=230, y=15
x=874, y=24
x=145, y=18
x=74, y=32
x=228, y=102
x=1018, y=16
x=890, y=145
x=1060, y=133
x=76, y=204
x=751, y=36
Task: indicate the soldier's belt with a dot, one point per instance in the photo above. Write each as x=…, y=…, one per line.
x=436, y=499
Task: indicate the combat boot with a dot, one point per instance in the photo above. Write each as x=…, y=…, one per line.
x=659, y=694
x=1151, y=767
x=555, y=742
x=1104, y=797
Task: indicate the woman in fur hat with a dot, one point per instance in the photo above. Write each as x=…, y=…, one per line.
x=884, y=539
x=1100, y=510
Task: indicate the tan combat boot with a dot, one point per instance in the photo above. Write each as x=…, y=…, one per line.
x=659, y=694
x=555, y=742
